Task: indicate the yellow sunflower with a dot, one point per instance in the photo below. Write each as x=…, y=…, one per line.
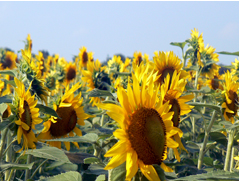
x=231, y=104
x=144, y=134
x=28, y=116
x=29, y=43
x=71, y=112
x=214, y=81
x=71, y=72
x=41, y=64
x=137, y=58
x=166, y=63
x=172, y=95
x=90, y=77
x=84, y=57
x=9, y=62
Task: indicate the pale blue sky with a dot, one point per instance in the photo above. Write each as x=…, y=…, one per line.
x=108, y=28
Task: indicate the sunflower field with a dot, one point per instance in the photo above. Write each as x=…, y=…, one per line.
x=128, y=118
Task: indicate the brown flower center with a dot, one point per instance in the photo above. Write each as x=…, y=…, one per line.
x=67, y=122
x=8, y=63
x=164, y=73
x=234, y=104
x=139, y=60
x=147, y=135
x=215, y=83
x=26, y=116
x=71, y=74
x=175, y=108
x=85, y=57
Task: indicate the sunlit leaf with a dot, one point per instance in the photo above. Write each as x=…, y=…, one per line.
x=99, y=93
x=67, y=176
x=229, y=53
x=88, y=138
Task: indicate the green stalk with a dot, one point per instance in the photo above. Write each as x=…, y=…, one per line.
x=33, y=174
x=231, y=135
x=3, y=140
x=8, y=153
x=232, y=159
x=27, y=171
x=207, y=131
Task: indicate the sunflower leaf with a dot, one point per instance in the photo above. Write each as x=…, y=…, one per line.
x=180, y=44
x=99, y=93
x=101, y=177
x=229, y=53
x=5, y=99
x=119, y=173
x=87, y=138
x=9, y=166
x=3, y=107
x=47, y=110
x=51, y=153
x=198, y=104
x=9, y=72
x=67, y=176
x=212, y=176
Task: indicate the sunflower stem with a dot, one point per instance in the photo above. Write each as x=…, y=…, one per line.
x=232, y=159
x=15, y=139
x=207, y=131
x=27, y=171
x=33, y=174
x=231, y=134
x=3, y=140
x=8, y=153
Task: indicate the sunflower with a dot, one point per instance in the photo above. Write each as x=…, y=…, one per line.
x=95, y=77
x=71, y=72
x=137, y=58
x=167, y=63
x=9, y=62
x=144, y=134
x=178, y=104
x=28, y=45
x=214, y=81
x=231, y=103
x=197, y=43
x=71, y=112
x=1, y=87
x=41, y=64
x=84, y=57
x=28, y=116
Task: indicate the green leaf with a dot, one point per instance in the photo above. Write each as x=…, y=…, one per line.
x=96, y=169
x=51, y=153
x=3, y=107
x=9, y=166
x=9, y=72
x=5, y=99
x=212, y=176
x=198, y=104
x=67, y=176
x=7, y=122
x=47, y=110
x=99, y=93
x=88, y=138
x=101, y=177
x=229, y=53
x=91, y=160
x=119, y=173
x=180, y=44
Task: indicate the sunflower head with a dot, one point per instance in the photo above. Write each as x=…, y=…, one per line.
x=27, y=116
x=28, y=44
x=231, y=93
x=71, y=112
x=137, y=58
x=8, y=60
x=167, y=63
x=144, y=134
x=84, y=57
x=71, y=72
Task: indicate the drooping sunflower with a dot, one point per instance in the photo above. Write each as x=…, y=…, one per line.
x=9, y=61
x=71, y=112
x=144, y=134
x=95, y=77
x=28, y=116
x=231, y=103
x=173, y=95
x=166, y=63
